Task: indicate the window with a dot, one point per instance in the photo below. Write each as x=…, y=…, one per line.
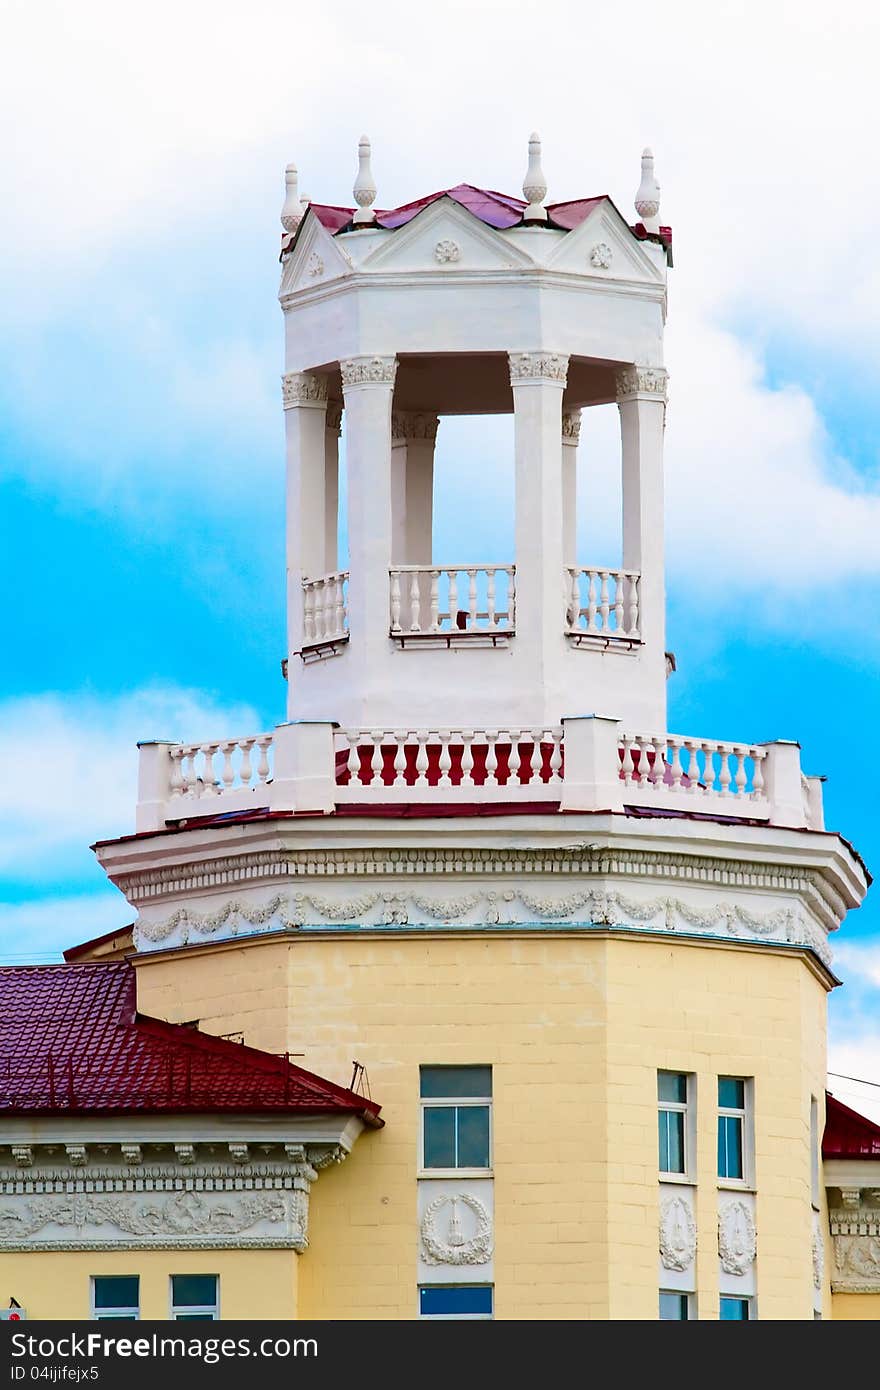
x=115, y=1296
x=731, y=1127
x=456, y=1114
x=672, y=1116
x=195, y=1297
x=736, y=1309
x=674, y=1307
x=455, y=1301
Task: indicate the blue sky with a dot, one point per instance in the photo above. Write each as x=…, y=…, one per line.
x=141, y=463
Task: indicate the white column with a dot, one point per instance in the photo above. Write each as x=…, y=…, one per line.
x=305, y=409
x=368, y=388
x=538, y=381
x=641, y=398
x=571, y=433
x=331, y=486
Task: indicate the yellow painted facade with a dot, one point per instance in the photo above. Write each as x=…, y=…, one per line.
x=575, y=1026
x=855, y=1307
x=254, y=1284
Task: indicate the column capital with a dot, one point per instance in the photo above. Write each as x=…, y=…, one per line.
x=334, y=416
x=538, y=366
x=641, y=381
x=407, y=424
x=571, y=426
x=368, y=371
x=303, y=388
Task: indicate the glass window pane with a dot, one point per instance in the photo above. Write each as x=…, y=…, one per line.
x=115, y=1317
x=193, y=1290
x=194, y=1317
x=673, y=1307
x=116, y=1290
x=440, y=1136
x=671, y=1085
x=730, y=1147
x=473, y=1136
x=671, y=1135
x=731, y=1092
x=449, y=1083
x=472, y=1300
x=734, y=1310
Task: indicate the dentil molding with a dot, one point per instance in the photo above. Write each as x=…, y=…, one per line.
x=303, y=388
x=678, y=1234
x=368, y=371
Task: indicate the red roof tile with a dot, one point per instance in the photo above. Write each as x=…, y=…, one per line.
x=71, y=1041
x=847, y=1133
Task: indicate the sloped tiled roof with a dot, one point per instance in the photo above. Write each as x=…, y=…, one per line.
x=847, y=1133
x=72, y=1042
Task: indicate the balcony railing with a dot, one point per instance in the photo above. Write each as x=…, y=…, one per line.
x=325, y=609
x=584, y=764
x=452, y=600
x=603, y=603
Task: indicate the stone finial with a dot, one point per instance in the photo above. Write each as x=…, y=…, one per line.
x=364, y=186
x=648, y=195
x=535, y=183
x=292, y=212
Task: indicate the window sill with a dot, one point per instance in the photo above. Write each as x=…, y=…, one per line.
x=735, y=1185
x=680, y=1179
x=444, y=1174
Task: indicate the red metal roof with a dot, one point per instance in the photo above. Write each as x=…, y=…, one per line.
x=847, y=1133
x=71, y=1041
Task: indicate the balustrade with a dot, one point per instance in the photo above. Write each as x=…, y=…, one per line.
x=478, y=764
x=246, y=766
x=452, y=600
x=603, y=603
x=325, y=608
x=695, y=768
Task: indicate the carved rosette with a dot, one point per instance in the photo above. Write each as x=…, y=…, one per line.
x=571, y=426
x=368, y=371
x=445, y=1239
x=601, y=256
x=737, y=1241
x=413, y=425
x=315, y=265
x=538, y=366
x=303, y=388
x=641, y=381
x=678, y=1234
x=446, y=252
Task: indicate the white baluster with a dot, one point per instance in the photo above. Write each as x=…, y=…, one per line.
x=422, y=758
x=628, y=765
x=725, y=777
x=708, y=768
x=176, y=780
x=490, y=598
x=740, y=776
x=308, y=613
x=556, y=756
x=758, y=756
x=244, y=771
x=591, y=601
x=631, y=622
x=618, y=603
x=467, y=758
x=187, y=770
x=572, y=614
x=532, y=740
x=658, y=767
x=604, y=603
x=445, y=763
x=228, y=773
x=513, y=762
x=453, y=600
x=376, y=760
x=395, y=601
x=676, y=770
x=435, y=600
x=400, y=761
x=354, y=758
x=264, y=745
x=693, y=767
x=491, y=758
x=472, y=600
x=209, y=786
x=415, y=603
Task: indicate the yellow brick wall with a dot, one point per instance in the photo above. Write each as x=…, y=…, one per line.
x=254, y=1284
x=575, y=1029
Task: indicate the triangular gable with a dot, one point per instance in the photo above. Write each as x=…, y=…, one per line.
x=446, y=235
x=602, y=245
x=314, y=257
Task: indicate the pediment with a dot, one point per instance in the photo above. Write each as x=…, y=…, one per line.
x=446, y=237
x=604, y=247
x=314, y=260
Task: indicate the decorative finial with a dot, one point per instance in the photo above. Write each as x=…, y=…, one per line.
x=535, y=183
x=292, y=212
x=364, y=186
x=648, y=195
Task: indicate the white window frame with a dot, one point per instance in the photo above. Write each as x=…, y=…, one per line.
x=183, y=1310
x=455, y=1317
x=746, y=1115
x=748, y=1298
x=460, y=1102
x=687, y=1107
x=679, y=1293
x=120, y=1313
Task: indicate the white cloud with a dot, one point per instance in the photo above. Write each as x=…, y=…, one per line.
x=854, y=1027
x=74, y=762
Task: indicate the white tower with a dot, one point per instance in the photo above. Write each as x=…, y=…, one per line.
x=468, y=303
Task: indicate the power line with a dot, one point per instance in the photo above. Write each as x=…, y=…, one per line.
x=860, y=1079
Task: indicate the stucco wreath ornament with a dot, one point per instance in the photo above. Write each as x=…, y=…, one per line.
x=737, y=1243
x=455, y=1248
x=678, y=1234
